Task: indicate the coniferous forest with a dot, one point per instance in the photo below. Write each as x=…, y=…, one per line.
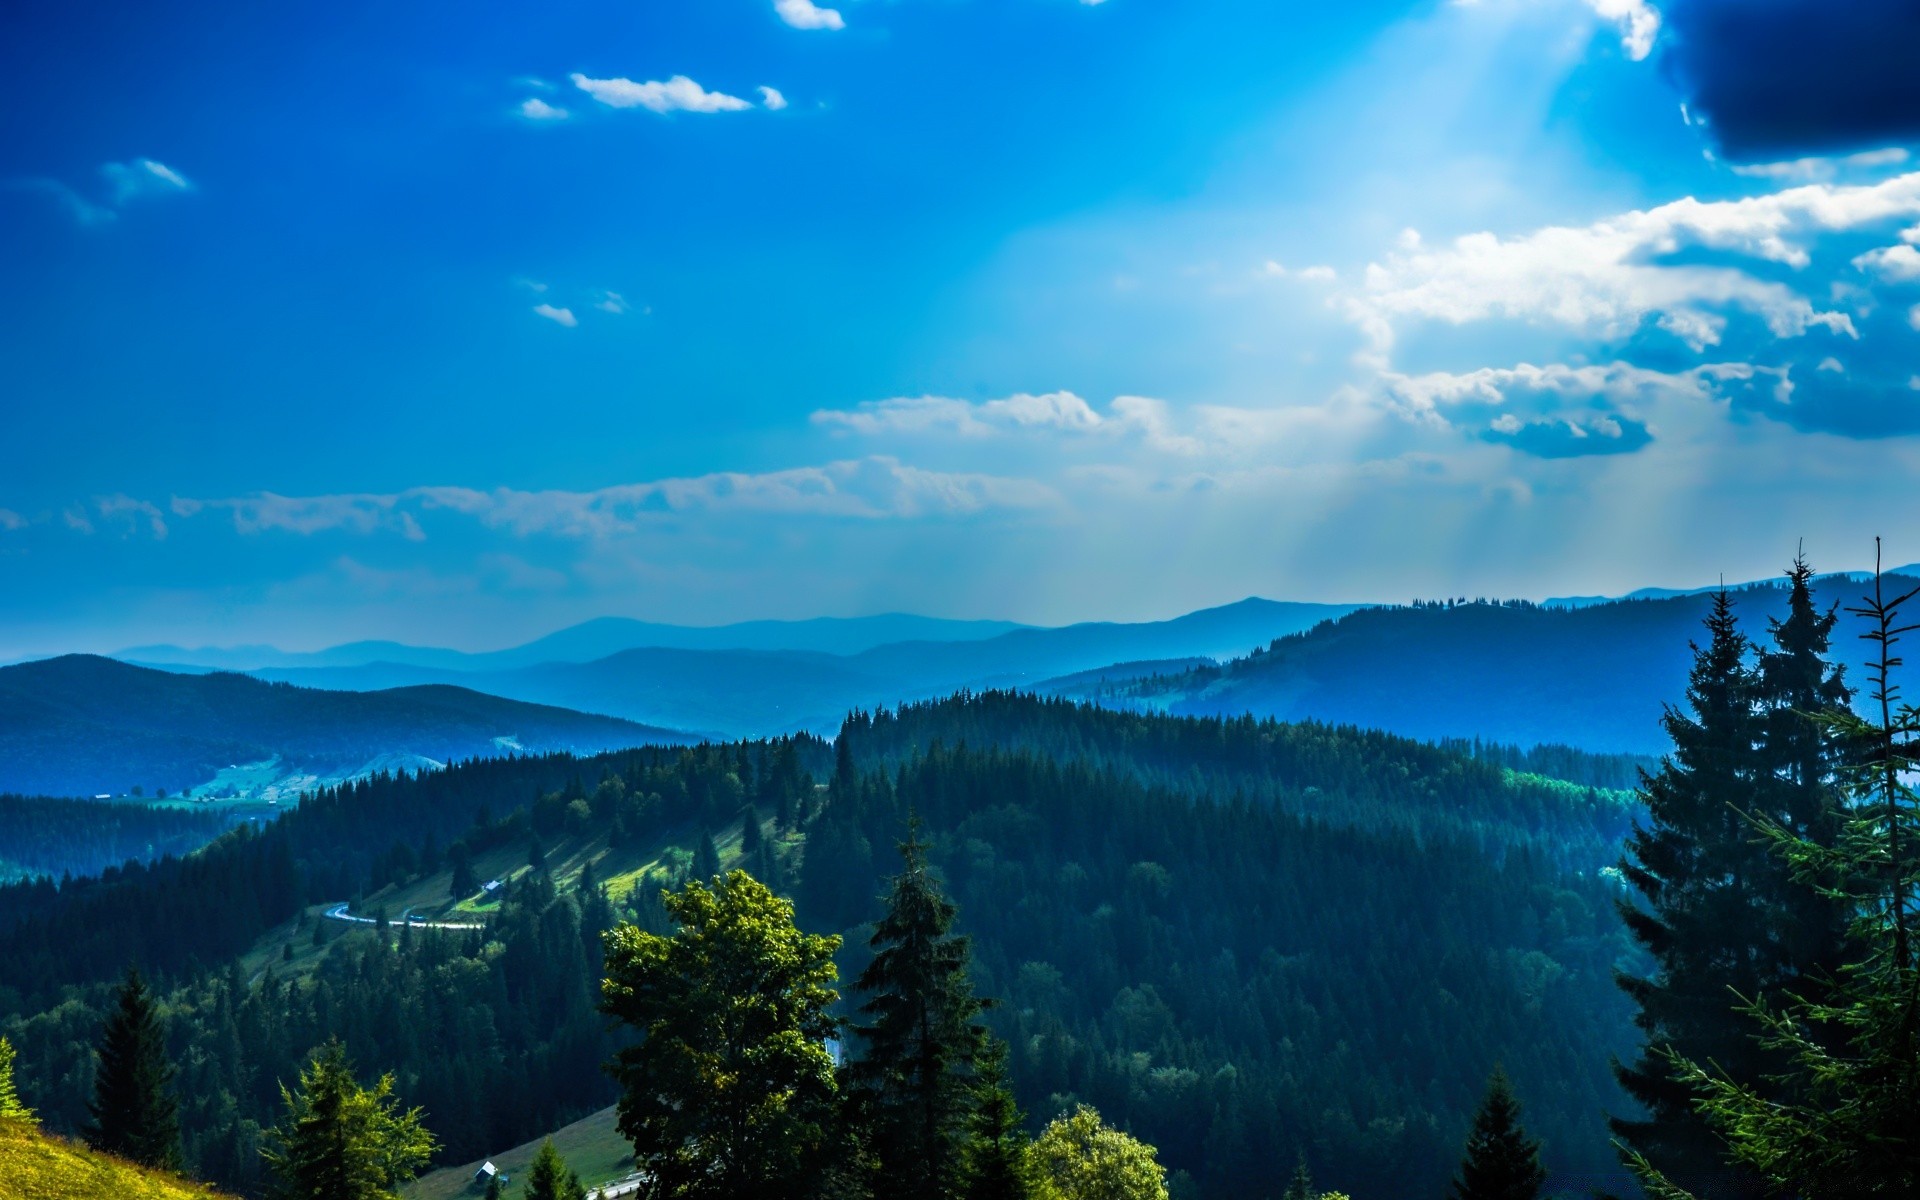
x=1000, y=942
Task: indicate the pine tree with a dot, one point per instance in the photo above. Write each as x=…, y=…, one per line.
x=706, y=857
x=1851, y=1076
x=1799, y=757
x=751, y=835
x=549, y=1179
x=1300, y=1187
x=1701, y=878
x=998, y=1163
x=340, y=1141
x=1501, y=1162
x=921, y=1038
x=11, y=1107
x=134, y=1111
x=463, y=883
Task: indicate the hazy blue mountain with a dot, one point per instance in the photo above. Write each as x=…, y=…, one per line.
x=1592, y=676
x=591, y=640
x=755, y=692
x=81, y=725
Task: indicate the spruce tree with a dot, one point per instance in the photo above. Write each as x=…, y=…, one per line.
x=549, y=1179
x=1800, y=756
x=999, y=1166
x=11, y=1106
x=340, y=1141
x=1701, y=879
x=1300, y=1187
x=1843, y=1123
x=922, y=1039
x=134, y=1111
x=1501, y=1161
x=706, y=857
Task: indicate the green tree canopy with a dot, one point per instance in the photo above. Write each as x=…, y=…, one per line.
x=340, y=1141
x=134, y=1111
x=730, y=1090
x=1081, y=1158
x=999, y=1161
x=1501, y=1161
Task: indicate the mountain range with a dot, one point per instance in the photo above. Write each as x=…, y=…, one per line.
x=83, y=725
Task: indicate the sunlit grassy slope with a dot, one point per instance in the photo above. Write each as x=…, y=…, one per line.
x=591, y=1146
x=35, y=1166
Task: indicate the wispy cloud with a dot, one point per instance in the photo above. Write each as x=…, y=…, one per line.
x=1638, y=20
x=124, y=507
x=805, y=14
x=533, y=108
x=559, y=316
x=877, y=487
x=11, y=520
x=125, y=183
x=612, y=302
x=678, y=94
x=771, y=99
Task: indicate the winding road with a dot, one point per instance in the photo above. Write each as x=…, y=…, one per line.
x=339, y=912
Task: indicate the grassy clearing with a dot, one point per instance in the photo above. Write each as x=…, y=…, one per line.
x=36, y=1166
x=591, y=1147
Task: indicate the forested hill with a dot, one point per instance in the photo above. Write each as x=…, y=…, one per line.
x=82, y=725
x=1239, y=974
x=1595, y=676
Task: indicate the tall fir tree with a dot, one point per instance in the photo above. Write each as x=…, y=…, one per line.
x=922, y=1037
x=998, y=1165
x=706, y=857
x=1300, y=1186
x=340, y=1141
x=549, y=1179
x=1701, y=879
x=12, y=1108
x=1501, y=1161
x=1801, y=756
x=1843, y=1124
x=134, y=1111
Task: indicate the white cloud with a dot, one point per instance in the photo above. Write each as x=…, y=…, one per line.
x=927, y=414
x=121, y=505
x=771, y=99
x=1820, y=168
x=1429, y=396
x=805, y=14
x=559, y=316
x=612, y=302
x=535, y=109
x=11, y=520
x=1895, y=264
x=678, y=94
x=1913, y=316
x=1638, y=21
x=1607, y=277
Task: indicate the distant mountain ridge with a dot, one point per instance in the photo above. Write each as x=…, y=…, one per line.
x=1591, y=676
x=749, y=693
x=82, y=724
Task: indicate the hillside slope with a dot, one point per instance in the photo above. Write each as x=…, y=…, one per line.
x=80, y=725
x=1596, y=676
x=36, y=1166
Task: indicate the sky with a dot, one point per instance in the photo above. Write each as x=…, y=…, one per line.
x=456, y=324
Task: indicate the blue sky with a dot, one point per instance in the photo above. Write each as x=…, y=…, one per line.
x=453, y=325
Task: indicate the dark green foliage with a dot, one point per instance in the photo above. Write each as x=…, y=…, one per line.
x=729, y=1090
x=997, y=1163
x=1226, y=977
x=1501, y=1161
x=921, y=1037
x=1697, y=868
x=706, y=858
x=40, y=836
x=1720, y=916
x=1300, y=1186
x=548, y=1177
x=1838, y=1118
x=340, y=1141
x=462, y=884
x=134, y=1111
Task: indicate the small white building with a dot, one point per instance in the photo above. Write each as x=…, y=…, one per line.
x=492, y=887
x=487, y=1174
